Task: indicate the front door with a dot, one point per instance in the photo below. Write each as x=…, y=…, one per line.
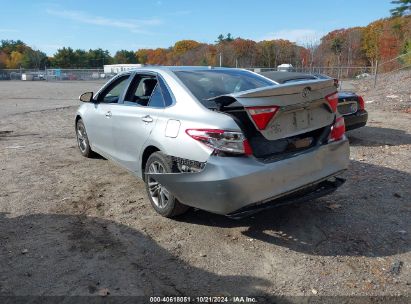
x=99, y=120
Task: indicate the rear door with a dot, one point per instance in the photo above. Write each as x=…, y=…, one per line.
x=135, y=118
x=98, y=120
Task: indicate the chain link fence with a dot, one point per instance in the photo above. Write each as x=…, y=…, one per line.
x=387, y=68
x=343, y=72
x=377, y=73
x=53, y=74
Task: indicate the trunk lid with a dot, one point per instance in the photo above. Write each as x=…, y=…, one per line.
x=302, y=106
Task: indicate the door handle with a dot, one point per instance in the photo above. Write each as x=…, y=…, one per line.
x=108, y=114
x=147, y=118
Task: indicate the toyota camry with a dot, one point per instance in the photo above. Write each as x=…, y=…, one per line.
x=224, y=140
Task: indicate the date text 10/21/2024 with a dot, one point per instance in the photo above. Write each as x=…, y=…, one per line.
x=203, y=299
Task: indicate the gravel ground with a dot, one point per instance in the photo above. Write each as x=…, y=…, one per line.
x=76, y=226
x=392, y=92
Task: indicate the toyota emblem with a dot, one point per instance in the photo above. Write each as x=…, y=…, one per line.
x=306, y=92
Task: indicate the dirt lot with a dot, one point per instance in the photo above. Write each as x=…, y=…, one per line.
x=76, y=226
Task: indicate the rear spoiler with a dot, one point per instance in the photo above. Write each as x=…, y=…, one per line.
x=304, y=91
x=285, y=89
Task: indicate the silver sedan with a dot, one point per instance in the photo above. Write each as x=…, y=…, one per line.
x=228, y=141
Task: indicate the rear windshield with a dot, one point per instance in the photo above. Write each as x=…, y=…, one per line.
x=206, y=84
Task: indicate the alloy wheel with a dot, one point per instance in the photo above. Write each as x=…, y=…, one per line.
x=159, y=194
x=82, y=137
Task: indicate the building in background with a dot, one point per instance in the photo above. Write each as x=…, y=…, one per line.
x=118, y=68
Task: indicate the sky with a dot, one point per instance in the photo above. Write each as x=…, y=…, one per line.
x=126, y=24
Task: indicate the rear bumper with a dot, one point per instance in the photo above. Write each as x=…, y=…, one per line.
x=306, y=193
x=356, y=120
x=227, y=184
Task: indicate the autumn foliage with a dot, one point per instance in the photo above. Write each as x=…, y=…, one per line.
x=16, y=54
x=380, y=41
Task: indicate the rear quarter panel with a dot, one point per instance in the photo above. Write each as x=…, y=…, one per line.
x=190, y=114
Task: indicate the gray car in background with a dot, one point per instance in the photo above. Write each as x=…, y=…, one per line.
x=228, y=141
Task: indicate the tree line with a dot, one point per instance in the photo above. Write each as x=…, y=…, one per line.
x=358, y=46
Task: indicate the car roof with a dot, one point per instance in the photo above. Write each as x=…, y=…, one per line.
x=171, y=69
x=180, y=68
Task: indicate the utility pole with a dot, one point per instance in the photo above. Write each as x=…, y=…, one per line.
x=375, y=73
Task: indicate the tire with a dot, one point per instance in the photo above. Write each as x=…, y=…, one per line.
x=163, y=202
x=82, y=139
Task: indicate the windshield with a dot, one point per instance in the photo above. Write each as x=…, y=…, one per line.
x=206, y=84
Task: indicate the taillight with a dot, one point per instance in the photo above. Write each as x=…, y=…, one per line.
x=221, y=140
x=262, y=115
x=333, y=101
x=337, y=130
x=361, y=103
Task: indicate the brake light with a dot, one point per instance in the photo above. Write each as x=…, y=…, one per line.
x=337, y=130
x=361, y=102
x=262, y=115
x=333, y=101
x=222, y=140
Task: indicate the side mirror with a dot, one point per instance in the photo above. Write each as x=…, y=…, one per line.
x=86, y=97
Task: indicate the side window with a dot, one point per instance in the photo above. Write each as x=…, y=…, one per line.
x=168, y=99
x=145, y=91
x=156, y=99
x=113, y=92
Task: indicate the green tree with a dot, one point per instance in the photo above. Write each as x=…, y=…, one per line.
x=80, y=59
x=221, y=38
x=141, y=55
x=64, y=58
x=33, y=59
x=203, y=61
x=403, y=8
x=9, y=46
x=229, y=38
x=98, y=57
x=337, y=45
x=124, y=56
